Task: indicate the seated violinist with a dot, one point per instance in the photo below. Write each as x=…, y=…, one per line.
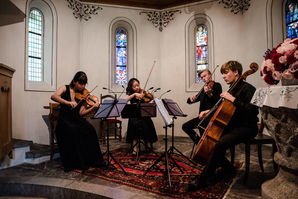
x=242, y=126
x=139, y=127
x=208, y=96
x=76, y=137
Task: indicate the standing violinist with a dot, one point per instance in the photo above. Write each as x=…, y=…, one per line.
x=76, y=137
x=242, y=126
x=139, y=127
x=207, y=97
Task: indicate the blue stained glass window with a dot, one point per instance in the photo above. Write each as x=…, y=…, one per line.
x=35, y=46
x=121, y=76
x=201, y=42
x=121, y=57
x=292, y=18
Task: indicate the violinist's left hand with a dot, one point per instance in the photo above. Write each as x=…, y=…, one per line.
x=226, y=95
x=96, y=105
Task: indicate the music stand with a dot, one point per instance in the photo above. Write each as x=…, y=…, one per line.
x=139, y=110
x=165, y=154
x=111, y=108
x=175, y=111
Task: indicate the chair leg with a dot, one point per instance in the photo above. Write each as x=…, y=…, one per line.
x=120, y=132
x=260, y=157
x=247, y=161
x=232, y=150
x=274, y=150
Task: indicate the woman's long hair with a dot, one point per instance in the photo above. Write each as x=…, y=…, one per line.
x=80, y=77
x=129, y=89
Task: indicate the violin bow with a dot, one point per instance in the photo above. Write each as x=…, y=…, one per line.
x=149, y=74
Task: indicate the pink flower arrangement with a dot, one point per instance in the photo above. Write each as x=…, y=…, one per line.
x=281, y=62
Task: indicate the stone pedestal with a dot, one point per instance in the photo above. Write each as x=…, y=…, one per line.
x=282, y=125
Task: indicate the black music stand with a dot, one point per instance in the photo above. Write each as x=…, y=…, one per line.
x=139, y=110
x=175, y=111
x=166, y=154
x=111, y=108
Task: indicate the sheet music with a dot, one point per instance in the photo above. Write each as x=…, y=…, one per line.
x=163, y=111
x=106, y=107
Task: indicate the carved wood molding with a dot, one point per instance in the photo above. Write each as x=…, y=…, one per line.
x=160, y=19
x=83, y=10
x=236, y=6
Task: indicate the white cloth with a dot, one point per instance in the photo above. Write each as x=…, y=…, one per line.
x=277, y=96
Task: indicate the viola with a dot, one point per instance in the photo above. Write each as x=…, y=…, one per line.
x=85, y=95
x=147, y=96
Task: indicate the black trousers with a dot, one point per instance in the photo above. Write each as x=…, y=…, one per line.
x=189, y=126
x=230, y=137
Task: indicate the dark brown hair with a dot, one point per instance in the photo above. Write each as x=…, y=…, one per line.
x=80, y=77
x=129, y=89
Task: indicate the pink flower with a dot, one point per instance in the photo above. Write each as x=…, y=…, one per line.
x=283, y=59
x=276, y=75
x=296, y=54
x=293, y=67
x=281, y=62
x=287, y=74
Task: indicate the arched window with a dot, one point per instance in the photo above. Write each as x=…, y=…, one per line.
x=123, y=42
x=121, y=57
x=291, y=10
x=40, y=68
x=201, y=49
x=35, y=45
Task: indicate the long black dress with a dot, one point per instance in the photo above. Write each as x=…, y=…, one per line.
x=140, y=127
x=77, y=139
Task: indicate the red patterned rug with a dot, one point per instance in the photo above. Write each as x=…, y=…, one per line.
x=155, y=181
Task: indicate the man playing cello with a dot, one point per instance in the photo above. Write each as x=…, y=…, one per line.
x=242, y=126
x=208, y=96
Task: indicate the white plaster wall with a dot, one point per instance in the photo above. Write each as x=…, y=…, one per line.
x=27, y=106
x=84, y=46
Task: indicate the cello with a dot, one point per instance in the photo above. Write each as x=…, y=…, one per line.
x=224, y=111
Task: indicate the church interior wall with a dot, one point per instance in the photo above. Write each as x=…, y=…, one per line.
x=84, y=45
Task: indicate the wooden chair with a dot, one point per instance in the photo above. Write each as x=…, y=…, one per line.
x=105, y=125
x=259, y=140
x=53, y=117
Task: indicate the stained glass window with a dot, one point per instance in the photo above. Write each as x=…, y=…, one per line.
x=201, y=39
x=35, y=46
x=292, y=18
x=121, y=57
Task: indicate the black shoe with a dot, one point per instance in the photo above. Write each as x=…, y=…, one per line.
x=101, y=164
x=196, y=184
x=226, y=171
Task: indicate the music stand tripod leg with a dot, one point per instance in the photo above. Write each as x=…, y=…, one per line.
x=109, y=154
x=172, y=148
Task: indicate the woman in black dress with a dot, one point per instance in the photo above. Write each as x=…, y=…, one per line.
x=76, y=137
x=139, y=127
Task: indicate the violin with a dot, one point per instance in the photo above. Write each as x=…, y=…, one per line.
x=85, y=95
x=147, y=96
x=209, y=85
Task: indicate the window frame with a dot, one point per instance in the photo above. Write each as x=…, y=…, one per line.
x=48, y=49
x=128, y=25
x=190, y=65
